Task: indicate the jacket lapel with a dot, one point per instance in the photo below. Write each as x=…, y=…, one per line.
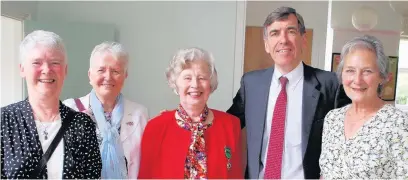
x=259, y=126
x=28, y=119
x=311, y=96
x=128, y=125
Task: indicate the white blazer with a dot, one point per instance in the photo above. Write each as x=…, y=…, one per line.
x=133, y=123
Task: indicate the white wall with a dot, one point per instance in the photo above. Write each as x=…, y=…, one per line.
x=314, y=14
x=152, y=32
x=387, y=29
x=342, y=12
x=19, y=9
x=390, y=41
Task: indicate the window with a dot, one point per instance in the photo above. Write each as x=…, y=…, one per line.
x=11, y=84
x=401, y=99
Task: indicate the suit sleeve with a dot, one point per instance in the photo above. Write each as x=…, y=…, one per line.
x=238, y=104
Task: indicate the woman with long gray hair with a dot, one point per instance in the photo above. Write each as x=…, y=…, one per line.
x=367, y=139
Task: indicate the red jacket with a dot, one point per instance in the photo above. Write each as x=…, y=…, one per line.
x=165, y=145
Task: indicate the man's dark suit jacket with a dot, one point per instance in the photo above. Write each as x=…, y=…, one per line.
x=321, y=93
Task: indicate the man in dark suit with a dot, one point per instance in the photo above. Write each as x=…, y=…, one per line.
x=282, y=108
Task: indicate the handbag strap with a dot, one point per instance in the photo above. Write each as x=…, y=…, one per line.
x=54, y=143
x=79, y=105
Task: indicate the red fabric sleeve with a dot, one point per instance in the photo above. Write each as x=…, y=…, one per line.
x=147, y=155
x=236, y=169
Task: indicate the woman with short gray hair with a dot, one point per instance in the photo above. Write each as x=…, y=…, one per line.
x=193, y=141
x=367, y=139
x=41, y=138
x=120, y=121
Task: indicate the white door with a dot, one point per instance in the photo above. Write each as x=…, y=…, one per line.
x=11, y=86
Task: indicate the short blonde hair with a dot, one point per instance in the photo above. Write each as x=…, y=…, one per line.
x=188, y=55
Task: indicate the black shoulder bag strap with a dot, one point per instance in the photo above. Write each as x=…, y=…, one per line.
x=54, y=143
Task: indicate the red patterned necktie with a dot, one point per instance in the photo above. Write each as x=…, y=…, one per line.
x=276, y=138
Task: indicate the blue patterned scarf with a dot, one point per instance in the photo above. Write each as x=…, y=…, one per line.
x=113, y=161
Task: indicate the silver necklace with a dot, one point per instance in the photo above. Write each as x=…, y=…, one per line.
x=45, y=131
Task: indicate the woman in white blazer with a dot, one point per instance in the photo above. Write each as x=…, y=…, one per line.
x=120, y=122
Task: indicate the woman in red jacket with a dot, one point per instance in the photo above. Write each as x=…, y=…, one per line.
x=193, y=141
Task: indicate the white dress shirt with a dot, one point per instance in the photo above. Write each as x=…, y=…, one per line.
x=292, y=166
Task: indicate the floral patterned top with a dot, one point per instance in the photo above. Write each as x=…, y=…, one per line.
x=379, y=149
x=196, y=161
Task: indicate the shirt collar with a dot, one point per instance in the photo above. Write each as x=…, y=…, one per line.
x=293, y=76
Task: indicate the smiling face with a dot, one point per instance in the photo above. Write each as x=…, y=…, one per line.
x=284, y=43
x=107, y=75
x=193, y=84
x=361, y=75
x=44, y=70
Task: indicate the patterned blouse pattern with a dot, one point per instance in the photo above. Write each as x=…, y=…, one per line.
x=379, y=149
x=21, y=149
x=196, y=161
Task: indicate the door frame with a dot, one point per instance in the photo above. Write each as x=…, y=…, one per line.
x=239, y=45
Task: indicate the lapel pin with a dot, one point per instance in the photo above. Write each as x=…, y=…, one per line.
x=129, y=123
x=227, y=152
